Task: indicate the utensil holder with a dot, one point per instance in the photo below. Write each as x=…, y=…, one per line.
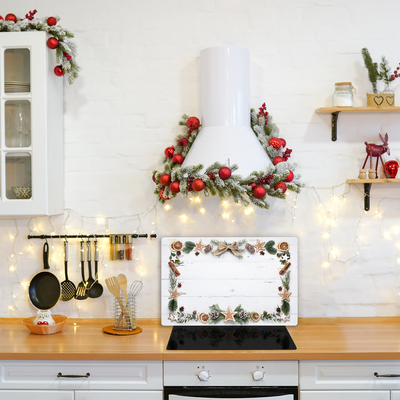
x=125, y=317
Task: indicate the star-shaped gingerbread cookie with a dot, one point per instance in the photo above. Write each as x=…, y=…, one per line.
x=174, y=294
x=229, y=314
x=199, y=247
x=285, y=295
x=173, y=317
x=259, y=245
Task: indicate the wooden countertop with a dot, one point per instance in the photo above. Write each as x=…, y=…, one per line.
x=315, y=338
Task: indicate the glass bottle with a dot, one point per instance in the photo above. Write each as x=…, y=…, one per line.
x=343, y=95
x=128, y=247
x=120, y=247
x=113, y=247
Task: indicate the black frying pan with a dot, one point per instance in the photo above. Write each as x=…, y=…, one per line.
x=45, y=288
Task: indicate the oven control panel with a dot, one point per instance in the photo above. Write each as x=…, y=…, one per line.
x=230, y=373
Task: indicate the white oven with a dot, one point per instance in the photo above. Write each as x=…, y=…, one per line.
x=192, y=380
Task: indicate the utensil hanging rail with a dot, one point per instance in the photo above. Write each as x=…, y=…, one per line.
x=134, y=236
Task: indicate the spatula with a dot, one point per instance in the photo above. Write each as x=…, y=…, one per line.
x=115, y=290
x=68, y=287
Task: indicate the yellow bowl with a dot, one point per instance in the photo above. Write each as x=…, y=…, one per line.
x=60, y=321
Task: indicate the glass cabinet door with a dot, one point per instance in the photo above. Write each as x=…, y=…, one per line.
x=18, y=176
x=17, y=123
x=17, y=67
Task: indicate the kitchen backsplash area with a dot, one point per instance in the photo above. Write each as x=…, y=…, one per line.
x=139, y=74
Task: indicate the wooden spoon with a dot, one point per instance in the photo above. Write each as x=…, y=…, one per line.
x=123, y=284
x=115, y=290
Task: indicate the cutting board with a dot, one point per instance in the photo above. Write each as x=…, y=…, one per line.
x=229, y=281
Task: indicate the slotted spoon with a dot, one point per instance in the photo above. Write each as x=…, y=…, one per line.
x=68, y=288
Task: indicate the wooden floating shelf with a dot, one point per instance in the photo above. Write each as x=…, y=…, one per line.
x=335, y=111
x=367, y=187
x=330, y=110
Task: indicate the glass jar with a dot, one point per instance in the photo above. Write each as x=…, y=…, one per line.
x=113, y=247
x=128, y=247
x=343, y=95
x=120, y=247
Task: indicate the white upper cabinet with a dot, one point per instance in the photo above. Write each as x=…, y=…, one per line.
x=31, y=127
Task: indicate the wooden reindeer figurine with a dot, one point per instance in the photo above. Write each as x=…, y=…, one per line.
x=376, y=150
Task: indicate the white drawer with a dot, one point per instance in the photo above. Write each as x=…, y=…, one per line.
x=319, y=375
x=345, y=395
x=231, y=373
x=121, y=375
x=35, y=395
x=118, y=395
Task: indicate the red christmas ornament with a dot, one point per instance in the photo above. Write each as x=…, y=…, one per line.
x=177, y=159
x=283, y=142
x=225, y=173
x=174, y=187
x=275, y=143
x=11, y=17
x=391, y=168
x=169, y=151
x=51, y=21
x=52, y=43
x=193, y=123
x=198, y=185
x=281, y=185
x=277, y=160
x=253, y=185
x=259, y=192
x=1, y=18
x=67, y=56
x=154, y=179
x=289, y=177
x=164, y=198
x=58, y=70
x=165, y=179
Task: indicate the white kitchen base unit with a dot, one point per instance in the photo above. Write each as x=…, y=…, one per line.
x=345, y=395
x=345, y=380
x=81, y=380
x=35, y=395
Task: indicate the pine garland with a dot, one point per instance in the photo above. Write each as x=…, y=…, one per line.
x=65, y=45
x=237, y=187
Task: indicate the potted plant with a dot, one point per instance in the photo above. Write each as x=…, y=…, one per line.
x=377, y=73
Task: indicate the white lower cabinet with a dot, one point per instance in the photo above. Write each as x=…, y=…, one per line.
x=35, y=395
x=83, y=380
x=345, y=380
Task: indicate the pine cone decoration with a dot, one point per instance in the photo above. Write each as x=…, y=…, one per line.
x=208, y=248
x=275, y=143
x=214, y=314
x=243, y=315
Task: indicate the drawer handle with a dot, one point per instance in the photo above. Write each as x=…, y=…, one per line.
x=386, y=376
x=60, y=375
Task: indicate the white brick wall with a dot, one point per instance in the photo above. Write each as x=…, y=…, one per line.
x=139, y=74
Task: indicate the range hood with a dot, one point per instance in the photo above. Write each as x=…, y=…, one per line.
x=226, y=135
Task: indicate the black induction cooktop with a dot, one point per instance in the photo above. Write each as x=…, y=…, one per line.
x=230, y=338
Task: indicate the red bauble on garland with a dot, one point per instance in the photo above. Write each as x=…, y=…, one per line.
x=277, y=160
x=193, y=123
x=51, y=21
x=283, y=142
x=281, y=185
x=11, y=17
x=252, y=185
x=165, y=179
x=177, y=159
x=198, y=185
x=174, y=187
x=58, y=70
x=1, y=18
x=52, y=43
x=289, y=177
x=225, y=173
x=259, y=192
x=154, y=179
x=275, y=143
x=164, y=198
x=169, y=151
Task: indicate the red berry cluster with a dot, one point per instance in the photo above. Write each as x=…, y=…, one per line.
x=30, y=15
x=189, y=184
x=183, y=142
x=264, y=180
x=286, y=154
x=262, y=112
x=211, y=175
x=396, y=73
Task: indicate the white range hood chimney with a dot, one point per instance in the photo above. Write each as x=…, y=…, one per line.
x=226, y=135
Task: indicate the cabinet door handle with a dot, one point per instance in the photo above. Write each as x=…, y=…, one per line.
x=60, y=375
x=386, y=376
